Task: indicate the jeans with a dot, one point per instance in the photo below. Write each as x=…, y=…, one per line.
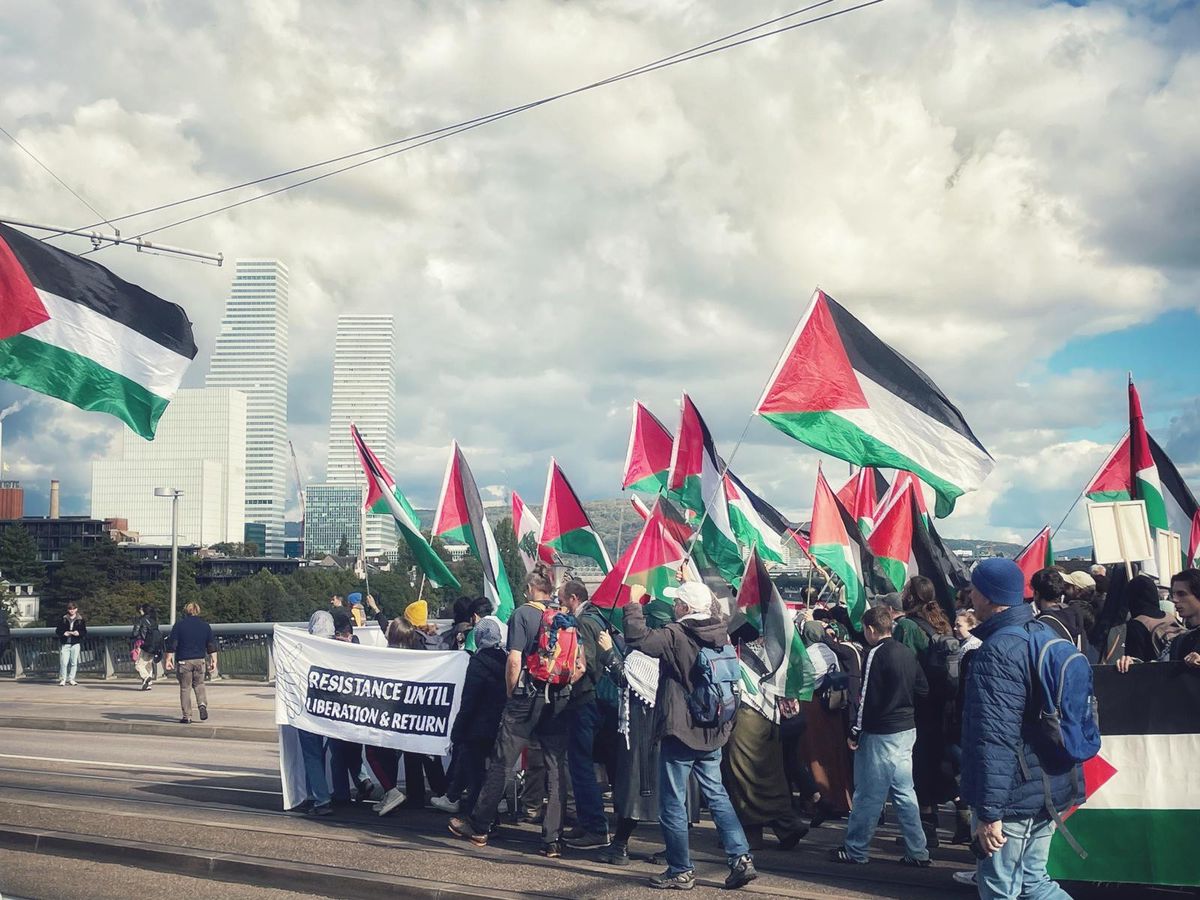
x=1018, y=869
x=589, y=804
x=676, y=762
x=190, y=673
x=882, y=763
x=313, y=748
x=68, y=662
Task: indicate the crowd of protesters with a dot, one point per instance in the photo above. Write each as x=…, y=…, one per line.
x=924, y=706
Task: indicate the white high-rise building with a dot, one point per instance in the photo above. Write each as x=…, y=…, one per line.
x=251, y=356
x=200, y=449
x=364, y=392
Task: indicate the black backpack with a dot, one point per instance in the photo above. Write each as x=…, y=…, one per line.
x=941, y=658
x=153, y=641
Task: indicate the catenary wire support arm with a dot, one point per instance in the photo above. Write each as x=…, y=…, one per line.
x=100, y=239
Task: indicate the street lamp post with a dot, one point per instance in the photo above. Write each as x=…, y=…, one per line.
x=174, y=494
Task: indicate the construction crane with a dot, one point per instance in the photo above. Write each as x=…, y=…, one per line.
x=299, y=494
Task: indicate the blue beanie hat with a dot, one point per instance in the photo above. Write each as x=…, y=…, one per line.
x=1000, y=580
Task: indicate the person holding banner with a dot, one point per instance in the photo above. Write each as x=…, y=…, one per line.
x=1185, y=591
x=312, y=746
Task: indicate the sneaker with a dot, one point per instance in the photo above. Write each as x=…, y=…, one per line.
x=364, y=791
x=741, y=873
x=62, y=682
x=913, y=863
x=966, y=879
x=680, y=881
x=552, y=850
x=322, y=809
x=203, y=712
x=146, y=683
x=73, y=683
x=616, y=855
x=585, y=840
x=841, y=855
x=390, y=801
x=462, y=828
x=444, y=804
x=185, y=721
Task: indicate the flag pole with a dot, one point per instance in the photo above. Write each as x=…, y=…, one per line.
x=1085, y=487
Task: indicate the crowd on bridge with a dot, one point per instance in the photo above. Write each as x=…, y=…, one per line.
x=938, y=715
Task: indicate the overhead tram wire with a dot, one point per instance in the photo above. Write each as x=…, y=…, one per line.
x=449, y=131
x=54, y=175
x=479, y=119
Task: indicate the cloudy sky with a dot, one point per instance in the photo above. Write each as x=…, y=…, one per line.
x=1005, y=191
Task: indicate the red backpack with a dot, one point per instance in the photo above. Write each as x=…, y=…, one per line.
x=557, y=655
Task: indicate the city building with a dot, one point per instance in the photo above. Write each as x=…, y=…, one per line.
x=12, y=500
x=251, y=355
x=153, y=561
x=22, y=596
x=332, y=512
x=200, y=449
x=364, y=393
x=53, y=536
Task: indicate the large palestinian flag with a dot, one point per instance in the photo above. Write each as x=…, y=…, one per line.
x=892, y=539
x=653, y=560
x=527, y=530
x=755, y=522
x=73, y=330
x=460, y=520
x=833, y=545
x=565, y=524
x=840, y=389
x=784, y=668
x=696, y=481
x=1038, y=554
x=905, y=479
x=861, y=494
x=648, y=460
x=1141, y=817
x=384, y=498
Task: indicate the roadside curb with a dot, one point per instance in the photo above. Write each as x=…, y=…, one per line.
x=303, y=878
x=162, y=729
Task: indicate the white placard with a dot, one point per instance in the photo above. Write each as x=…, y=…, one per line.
x=1120, y=531
x=1169, y=554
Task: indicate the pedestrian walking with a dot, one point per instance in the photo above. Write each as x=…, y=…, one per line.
x=882, y=738
x=71, y=632
x=192, y=652
x=312, y=746
x=147, y=644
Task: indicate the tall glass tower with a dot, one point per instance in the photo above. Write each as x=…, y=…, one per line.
x=364, y=392
x=251, y=356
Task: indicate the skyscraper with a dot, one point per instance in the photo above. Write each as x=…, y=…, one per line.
x=251, y=356
x=364, y=392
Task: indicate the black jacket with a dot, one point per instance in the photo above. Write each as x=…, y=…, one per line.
x=892, y=681
x=1065, y=622
x=588, y=627
x=62, y=629
x=483, y=697
x=146, y=630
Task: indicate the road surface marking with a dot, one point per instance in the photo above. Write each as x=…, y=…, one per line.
x=178, y=770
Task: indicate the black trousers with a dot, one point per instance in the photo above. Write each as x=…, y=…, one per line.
x=418, y=767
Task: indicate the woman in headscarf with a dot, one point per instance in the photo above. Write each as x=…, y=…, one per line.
x=1149, y=629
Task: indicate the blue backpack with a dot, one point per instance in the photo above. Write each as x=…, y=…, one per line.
x=716, y=686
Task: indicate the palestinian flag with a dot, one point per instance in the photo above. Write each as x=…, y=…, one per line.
x=1193, y=554
x=905, y=479
x=696, y=480
x=1140, y=820
x=755, y=522
x=565, y=526
x=648, y=460
x=73, y=330
x=936, y=562
x=1146, y=484
x=833, y=546
x=841, y=390
x=892, y=539
x=653, y=560
x=1037, y=555
x=527, y=529
x=861, y=494
x=783, y=669
x=460, y=520
x=384, y=498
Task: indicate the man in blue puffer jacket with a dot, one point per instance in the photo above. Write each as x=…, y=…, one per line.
x=1002, y=777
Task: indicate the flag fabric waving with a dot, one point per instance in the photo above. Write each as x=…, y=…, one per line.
x=892, y=539
x=1147, y=486
x=460, y=519
x=1193, y=553
x=861, y=494
x=1037, y=555
x=73, y=330
x=784, y=668
x=527, y=530
x=565, y=524
x=696, y=480
x=755, y=522
x=840, y=389
x=384, y=498
x=653, y=560
x=832, y=545
x=906, y=479
x=648, y=460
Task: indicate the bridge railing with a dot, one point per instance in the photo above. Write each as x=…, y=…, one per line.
x=245, y=652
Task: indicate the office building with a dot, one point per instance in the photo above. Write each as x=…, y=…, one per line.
x=251, y=355
x=364, y=386
x=332, y=512
x=200, y=449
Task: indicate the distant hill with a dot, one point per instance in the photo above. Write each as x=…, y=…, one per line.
x=984, y=548
x=1076, y=553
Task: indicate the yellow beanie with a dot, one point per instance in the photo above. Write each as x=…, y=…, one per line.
x=417, y=613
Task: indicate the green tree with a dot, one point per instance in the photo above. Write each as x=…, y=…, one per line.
x=8, y=608
x=344, y=547
x=84, y=574
x=118, y=604
x=19, y=561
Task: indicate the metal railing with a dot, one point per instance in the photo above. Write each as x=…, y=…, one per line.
x=245, y=652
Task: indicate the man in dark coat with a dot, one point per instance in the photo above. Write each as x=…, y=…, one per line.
x=478, y=722
x=1003, y=781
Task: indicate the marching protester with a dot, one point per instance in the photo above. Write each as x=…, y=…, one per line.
x=1185, y=591
x=964, y=624
x=71, y=632
x=543, y=659
x=385, y=761
x=312, y=746
x=192, y=651
x=1149, y=631
x=421, y=766
x=1049, y=600
x=882, y=738
x=147, y=644
x=346, y=757
x=1004, y=782
x=690, y=748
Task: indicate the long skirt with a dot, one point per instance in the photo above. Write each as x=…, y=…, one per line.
x=635, y=772
x=755, y=775
x=824, y=745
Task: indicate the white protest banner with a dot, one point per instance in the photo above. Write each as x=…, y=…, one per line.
x=404, y=699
